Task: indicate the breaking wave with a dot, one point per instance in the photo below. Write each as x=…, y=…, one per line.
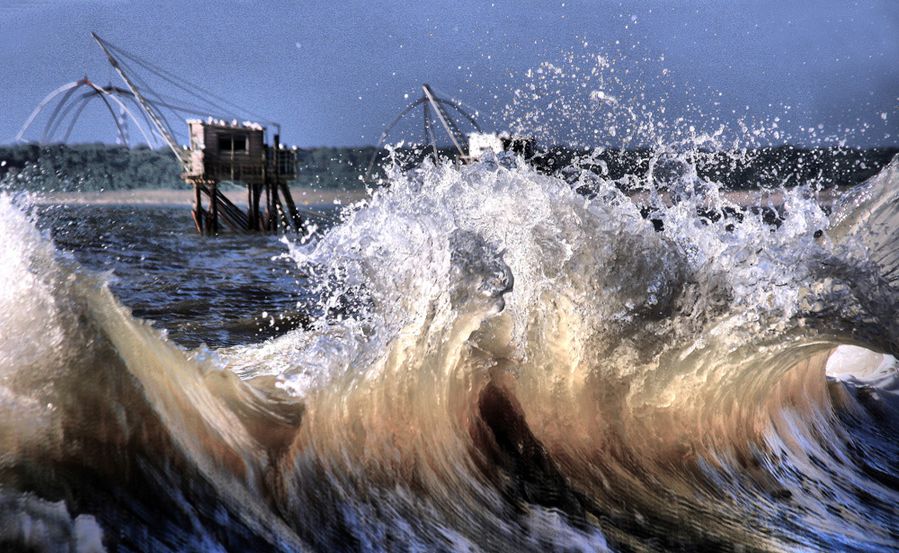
x=496, y=362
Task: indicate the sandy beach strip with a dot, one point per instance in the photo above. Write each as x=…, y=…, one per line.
x=184, y=197
x=316, y=197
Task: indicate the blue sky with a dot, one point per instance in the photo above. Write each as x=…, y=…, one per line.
x=333, y=73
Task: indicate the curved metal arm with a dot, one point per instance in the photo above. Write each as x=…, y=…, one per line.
x=43, y=103
x=386, y=132
x=396, y=120
x=85, y=100
x=415, y=104
x=458, y=107
x=127, y=94
x=429, y=134
x=159, y=122
x=430, y=137
x=52, y=126
x=114, y=118
x=121, y=104
x=55, y=113
x=157, y=141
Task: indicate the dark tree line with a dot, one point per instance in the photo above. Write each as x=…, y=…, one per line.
x=749, y=169
x=88, y=167
x=104, y=167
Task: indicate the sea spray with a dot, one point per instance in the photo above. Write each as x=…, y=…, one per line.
x=495, y=361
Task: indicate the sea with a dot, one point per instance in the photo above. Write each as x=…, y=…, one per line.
x=475, y=358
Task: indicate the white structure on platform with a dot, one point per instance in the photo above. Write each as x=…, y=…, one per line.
x=480, y=142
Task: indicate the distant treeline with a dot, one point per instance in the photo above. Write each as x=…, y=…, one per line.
x=103, y=167
x=754, y=168
x=84, y=167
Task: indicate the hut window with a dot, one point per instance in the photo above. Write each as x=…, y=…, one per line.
x=237, y=142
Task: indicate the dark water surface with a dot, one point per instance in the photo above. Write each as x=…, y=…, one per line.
x=218, y=291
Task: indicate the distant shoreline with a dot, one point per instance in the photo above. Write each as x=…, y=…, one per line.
x=170, y=197
x=167, y=197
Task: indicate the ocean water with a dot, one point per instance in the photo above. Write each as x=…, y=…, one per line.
x=216, y=292
x=478, y=358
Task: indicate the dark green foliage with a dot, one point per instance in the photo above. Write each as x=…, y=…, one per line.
x=329, y=167
x=790, y=166
x=89, y=167
x=83, y=167
x=347, y=168
x=747, y=169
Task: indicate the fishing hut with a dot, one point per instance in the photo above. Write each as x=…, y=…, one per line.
x=237, y=152
x=219, y=151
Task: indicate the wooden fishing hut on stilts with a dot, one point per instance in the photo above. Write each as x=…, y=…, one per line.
x=237, y=152
x=218, y=152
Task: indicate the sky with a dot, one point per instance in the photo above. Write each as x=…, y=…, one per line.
x=335, y=72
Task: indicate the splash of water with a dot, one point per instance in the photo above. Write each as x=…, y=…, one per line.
x=496, y=362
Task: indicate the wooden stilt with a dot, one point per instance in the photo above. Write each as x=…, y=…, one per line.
x=269, y=208
x=276, y=207
x=198, y=209
x=214, y=227
x=257, y=192
x=250, y=213
x=295, y=219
